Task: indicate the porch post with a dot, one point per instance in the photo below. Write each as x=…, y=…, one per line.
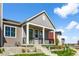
x=22, y=35
x=27, y=34
x=43, y=35
x=54, y=37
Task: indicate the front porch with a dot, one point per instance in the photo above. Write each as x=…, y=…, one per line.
x=36, y=34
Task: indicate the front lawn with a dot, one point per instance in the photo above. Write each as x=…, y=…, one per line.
x=65, y=52
x=34, y=54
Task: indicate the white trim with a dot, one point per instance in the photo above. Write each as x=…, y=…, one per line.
x=27, y=39
x=10, y=36
x=34, y=16
x=22, y=35
x=39, y=25
x=22, y=31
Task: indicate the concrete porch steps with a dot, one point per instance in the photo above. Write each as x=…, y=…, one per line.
x=44, y=50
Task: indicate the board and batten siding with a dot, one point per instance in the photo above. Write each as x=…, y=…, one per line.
x=42, y=20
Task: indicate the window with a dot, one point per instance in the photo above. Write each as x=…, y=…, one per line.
x=36, y=33
x=40, y=34
x=9, y=31
x=12, y=32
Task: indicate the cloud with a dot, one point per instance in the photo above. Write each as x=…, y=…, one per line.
x=71, y=25
x=68, y=9
x=77, y=27
x=72, y=40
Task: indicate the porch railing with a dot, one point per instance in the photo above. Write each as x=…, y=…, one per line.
x=39, y=41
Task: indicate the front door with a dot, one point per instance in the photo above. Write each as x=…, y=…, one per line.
x=36, y=41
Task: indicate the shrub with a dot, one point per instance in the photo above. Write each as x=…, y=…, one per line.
x=3, y=49
x=23, y=50
x=0, y=50
x=65, y=52
x=56, y=47
x=57, y=41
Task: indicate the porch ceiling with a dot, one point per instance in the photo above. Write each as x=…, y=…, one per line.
x=38, y=27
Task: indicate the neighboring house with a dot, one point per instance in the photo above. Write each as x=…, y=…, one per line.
x=34, y=30
x=59, y=34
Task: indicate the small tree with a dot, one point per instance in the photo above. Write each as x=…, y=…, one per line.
x=57, y=41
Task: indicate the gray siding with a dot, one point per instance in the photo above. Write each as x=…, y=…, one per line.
x=42, y=20
x=10, y=42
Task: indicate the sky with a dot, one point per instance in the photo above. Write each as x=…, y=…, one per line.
x=65, y=17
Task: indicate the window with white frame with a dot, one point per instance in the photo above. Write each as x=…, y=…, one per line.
x=9, y=31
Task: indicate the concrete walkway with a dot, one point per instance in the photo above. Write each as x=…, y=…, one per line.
x=18, y=50
x=44, y=50
x=11, y=51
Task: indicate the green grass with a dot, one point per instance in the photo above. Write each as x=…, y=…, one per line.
x=67, y=52
x=34, y=54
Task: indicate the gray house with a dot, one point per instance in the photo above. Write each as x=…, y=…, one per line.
x=34, y=30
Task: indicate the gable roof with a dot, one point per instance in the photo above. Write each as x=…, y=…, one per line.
x=30, y=19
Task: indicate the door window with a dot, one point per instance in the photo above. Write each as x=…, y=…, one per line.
x=36, y=33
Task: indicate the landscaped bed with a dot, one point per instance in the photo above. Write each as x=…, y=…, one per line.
x=65, y=52
x=1, y=50
x=34, y=54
